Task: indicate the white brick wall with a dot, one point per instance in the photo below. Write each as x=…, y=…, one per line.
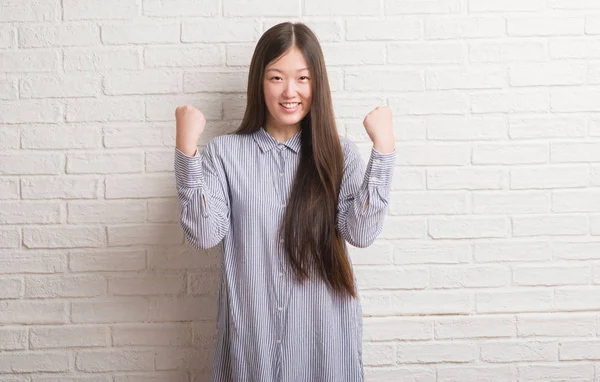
x=488, y=267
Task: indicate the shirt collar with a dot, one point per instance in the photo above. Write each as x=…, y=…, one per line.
x=266, y=142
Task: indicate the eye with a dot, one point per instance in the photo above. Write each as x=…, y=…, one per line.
x=304, y=78
x=276, y=78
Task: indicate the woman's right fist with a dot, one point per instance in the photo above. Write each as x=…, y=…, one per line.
x=190, y=125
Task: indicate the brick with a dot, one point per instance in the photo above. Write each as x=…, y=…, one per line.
x=159, y=161
x=510, y=102
x=30, y=111
x=536, y=177
x=9, y=188
x=595, y=225
x=29, y=61
x=110, y=310
x=154, y=186
x=403, y=228
x=405, y=28
x=8, y=89
x=575, y=100
x=515, y=301
x=64, y=286
x=575, y=152
x=574, y=4
x=477, y=373
x=163, y=211
x=449, y=128
x=533, y=373
x=426, y=53
x=513, y=351
x=150, y=284
x=61, y=137
x=383, y=80
x=239, y=54
x=29, y=362
x=107, y=261
x=592, y=24
x=59, y=86
x=545, y=127
x=545, y=26
x=9, y=138
x=63, y=237
x=508, y=154
x=345, y=55
x=37, y=10
x=438, y=352
x=68, y=336
x=104, y=163
x=553, y=325
x=66, y=34
x=440, y=154
x=528, y=202
x=29, y=213
x=400, y=7
x=576, y=201
x=429, y=103
x=472, y=78
x=156, y=376
x=463, y=27
x=397, y=329
x=183, y=257
x=464, y=179
x=151, y=135
x=462, y=227
x=7, y=36
x=10, y=288
x=162, y=107
x=59, y=188
x=595, y=175
x=408, y=179
x=65, y=378
x=177, y=57
x=579, y=350
x=98, y=59
x=587, y=250
x=548, y=276
x=107, y=212
x=544, y=74
x=576, y=299
x=407, y=374
x=224, y=30
x=593, y=74
x=181, y=8
x=242, y=8
x=221, y=81
x=152, y=335
x=13, y=338
x=193, y=359
x=33, y=312
x=550, y=225
x=340, y=8
x=145, y=234
x=100, y=9
x=146, y=82
x=140, y=33
x=574, y=48
x=112, y=109
x=114, y=360
x=447, y=277
x=506, y=6
x=188, y=308
x=431, y=253
x=426, y=203
x=31, y=262
x=10, y=238
x=392, y=278
x=506, y=51
x=474, y=327
x=414, y=129
x=379, y=354
x=423, y=302
x=512, y=251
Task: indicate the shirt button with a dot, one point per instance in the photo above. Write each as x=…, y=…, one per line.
x=279, y=308
x=280, y=174
x=280, y=274
x=278, y=341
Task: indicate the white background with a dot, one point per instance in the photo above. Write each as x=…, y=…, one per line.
x=488, y=268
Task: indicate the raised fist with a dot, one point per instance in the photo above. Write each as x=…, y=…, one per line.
x=190, y=124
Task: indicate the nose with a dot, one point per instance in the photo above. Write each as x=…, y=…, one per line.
x=290, y=89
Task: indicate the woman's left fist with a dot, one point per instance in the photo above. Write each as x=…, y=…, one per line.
x=378, y=124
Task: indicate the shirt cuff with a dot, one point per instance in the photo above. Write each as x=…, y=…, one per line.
x=188, y=170
x=381, y=168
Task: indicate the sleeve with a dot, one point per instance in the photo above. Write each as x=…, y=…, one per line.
x=363, y=199
x=203, y=197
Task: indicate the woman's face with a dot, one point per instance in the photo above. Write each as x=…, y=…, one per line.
x=288, y=90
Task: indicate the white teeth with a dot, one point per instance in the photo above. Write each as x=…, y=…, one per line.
x=290, y=105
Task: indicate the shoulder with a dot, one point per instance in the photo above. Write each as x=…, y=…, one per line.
x=226, y=144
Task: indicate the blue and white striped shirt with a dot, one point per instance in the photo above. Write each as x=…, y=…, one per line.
x=269, y=326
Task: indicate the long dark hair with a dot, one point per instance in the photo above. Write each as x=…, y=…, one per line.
x=312, y=242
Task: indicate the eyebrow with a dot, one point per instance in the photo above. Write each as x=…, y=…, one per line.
x=279, y=71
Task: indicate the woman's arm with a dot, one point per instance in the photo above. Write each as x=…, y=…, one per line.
x=364, y=195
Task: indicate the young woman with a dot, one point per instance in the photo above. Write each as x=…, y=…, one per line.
x=283, y=195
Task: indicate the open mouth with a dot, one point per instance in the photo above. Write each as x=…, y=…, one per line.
x=290, y=106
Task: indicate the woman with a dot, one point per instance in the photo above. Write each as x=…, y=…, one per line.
x=283, y=194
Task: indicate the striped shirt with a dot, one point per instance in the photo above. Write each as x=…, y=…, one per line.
x=269, y=326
